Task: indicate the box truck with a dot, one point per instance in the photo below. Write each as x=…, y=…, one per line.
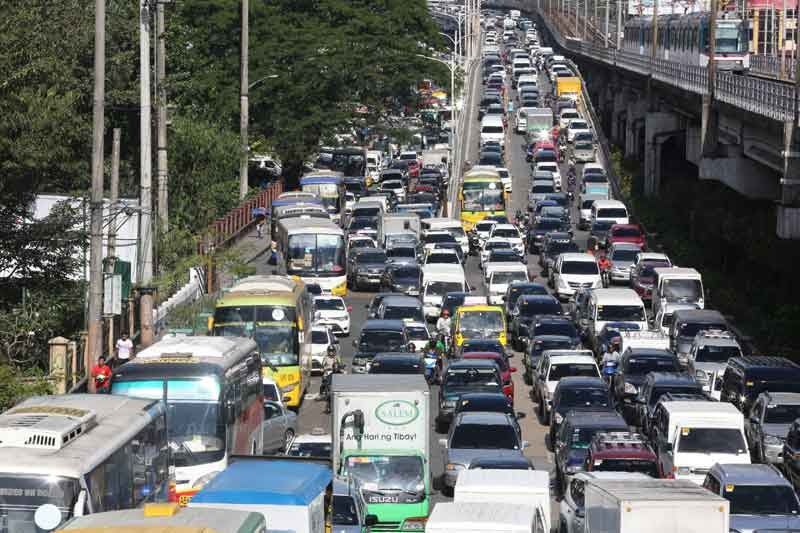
x=653, y=506
x=524, y=487
x=471, y=517
x=569, y=87
x=380, y=427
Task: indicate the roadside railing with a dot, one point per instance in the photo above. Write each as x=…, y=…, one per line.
x=771, y=66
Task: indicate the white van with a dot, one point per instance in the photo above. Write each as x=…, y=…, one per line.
x=612, y=211
x=438, y=280
x=573, y=271
x=692, y=436
x=527, y=80
x=614, y=305
x=527, y=487
x=492, y=130
x=501, y=275
x=677, y=286
x=450, y=225
x=567, y=114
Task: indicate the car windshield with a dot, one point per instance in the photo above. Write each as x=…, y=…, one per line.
x=496, y=245
x=565, y=329
x=584, y=146
x=431, y=238
x=362, y=243
x=583, y=268
x=401, y=252
x=329, y=304
x=624, y=255
x=542, y=189
x=406, y=273
x=642, y=466
x=503, y=278
x=440, y=288
x=387, y=473
x=484, y=226
x=560, y=247
x=690, y=329
x=633, y=313
x=548, y=224
x=782, y=414
x=565, y=370
x=658, y=392
x=469, y=377
x=442, y=259
x=402, y=312
x=417, y=333
x=716, y=354
x=372, y=256
x=711, y=440
x=310, y=449
x=362, y=223
x=506, y=233
x=484, y=437
x=381, y=341
x=582, y=437
x=643, y=365
x=477, y=323
x=319, y=337
x=601, y=225
x=682, y=290
x=570, y=398
x=538, y=307
x=504, y=256
x=612, y=212
x=626, y=232
x=761, y=500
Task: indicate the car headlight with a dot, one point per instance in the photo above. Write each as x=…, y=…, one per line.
x=562, y=283
x=574, y=469
x=417, y=523
x=683, y=470
x=449, y=404
x=452, y=467
x=631, y=389
x=772, y=440
x=597, y=284
x=558, y=418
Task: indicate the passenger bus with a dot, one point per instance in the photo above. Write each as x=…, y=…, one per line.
x=213, y=392
x=482, y=194
x=314, y=251
x=276, y=312
x=169, y=518
x=281, y=206
x=76, y=454
x=350, y=161
x=329, y=187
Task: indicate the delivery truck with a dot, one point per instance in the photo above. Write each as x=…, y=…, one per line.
x=471, y=517
x=539, y=123
x=569, y=87
x=380, y=425
x=653, y=506
x=524, y=487
x=393, y=223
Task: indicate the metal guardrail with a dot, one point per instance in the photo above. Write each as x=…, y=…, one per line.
x=771, y=66
x=238, y=220
x=773, y=99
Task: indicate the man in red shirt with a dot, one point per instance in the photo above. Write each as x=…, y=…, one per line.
x=101, y=373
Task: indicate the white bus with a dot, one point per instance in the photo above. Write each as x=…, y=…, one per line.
x=76, y=454
x=314, y=250
x=213, y=391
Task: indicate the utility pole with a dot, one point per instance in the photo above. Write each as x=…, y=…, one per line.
x=585, y=18
x=111, y=253
x=244, y=109
x=605, y=31
x=145, y=180
x=95, y=337
x=619, y=25
x=161, y=74
x=709, y=119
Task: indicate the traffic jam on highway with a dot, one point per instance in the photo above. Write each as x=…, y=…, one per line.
x=492, y=348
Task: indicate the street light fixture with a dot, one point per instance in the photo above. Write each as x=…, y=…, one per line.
x=270, y=77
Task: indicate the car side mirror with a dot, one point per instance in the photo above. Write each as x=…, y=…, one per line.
x=370, y=520
x=443, y=443
x=355, y=343
x=667, y=446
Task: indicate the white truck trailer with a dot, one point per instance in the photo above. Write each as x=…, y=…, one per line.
x=653, y=506
x=471, y=517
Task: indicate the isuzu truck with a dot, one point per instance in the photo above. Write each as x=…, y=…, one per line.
x=380, y=425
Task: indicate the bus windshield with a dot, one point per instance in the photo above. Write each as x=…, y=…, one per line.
x=22, y=495
x=327, y=192
x=474, y=324
x=315, y=254
x=481, y=197
x=728, y=37
x=277, y=343
x=195, y=426
x=388, y=475
x=239, y=321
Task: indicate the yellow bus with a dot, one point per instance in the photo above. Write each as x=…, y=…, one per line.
x=479, y=322
x=481, y=195
x=275, y=311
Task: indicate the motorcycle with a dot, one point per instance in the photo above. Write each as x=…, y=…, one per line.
x=609, y=370
x=325, y=386
x=433, y=368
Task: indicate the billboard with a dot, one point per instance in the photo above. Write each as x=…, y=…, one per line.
x=644, y=8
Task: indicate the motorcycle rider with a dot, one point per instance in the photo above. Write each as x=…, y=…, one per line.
x=330, y=365
x=604, y=264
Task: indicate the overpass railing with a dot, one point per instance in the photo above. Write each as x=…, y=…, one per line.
x=768, y=98
x=771, y=66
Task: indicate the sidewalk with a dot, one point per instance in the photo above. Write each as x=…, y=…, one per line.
x=250, y=248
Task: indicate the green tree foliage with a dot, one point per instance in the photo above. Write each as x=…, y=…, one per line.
x=18, y=385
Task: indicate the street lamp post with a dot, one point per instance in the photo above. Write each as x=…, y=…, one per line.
x=452, y=67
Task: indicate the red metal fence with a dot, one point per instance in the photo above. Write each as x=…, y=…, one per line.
x=238, y=220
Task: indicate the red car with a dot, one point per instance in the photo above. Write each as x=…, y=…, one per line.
x=631, y=233
x=413, y=167
x=505, y=370
x=643, y=277
x=621, y=451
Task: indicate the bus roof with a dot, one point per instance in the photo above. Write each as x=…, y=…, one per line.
x=318, y=179
x=310, y=225
x=73, y=432
x=242, y=483
x=243, y=299
x=482, y=175
x=280, y=202
x=197, y=347
x=167, y=518
x=266, y=283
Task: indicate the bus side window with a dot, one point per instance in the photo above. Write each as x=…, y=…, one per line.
x=106, y=482
x=150, y=455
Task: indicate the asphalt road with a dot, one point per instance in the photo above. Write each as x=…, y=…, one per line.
x=311, y=413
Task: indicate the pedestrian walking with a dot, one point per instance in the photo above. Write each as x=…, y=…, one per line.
x=260, y=228
x=124, y=349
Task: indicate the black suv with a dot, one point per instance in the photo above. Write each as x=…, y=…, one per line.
x=463, y=377
x=657, y=384
x=633, y=367
x=527, y=309
x=366, y=268
x=747, y=377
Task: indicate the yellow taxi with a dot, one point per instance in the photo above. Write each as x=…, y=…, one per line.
x=474, y=322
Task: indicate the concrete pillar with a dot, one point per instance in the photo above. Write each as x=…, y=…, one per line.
x=658, y=127
x=59, y=365
x=619, y=107
x=788, y=209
